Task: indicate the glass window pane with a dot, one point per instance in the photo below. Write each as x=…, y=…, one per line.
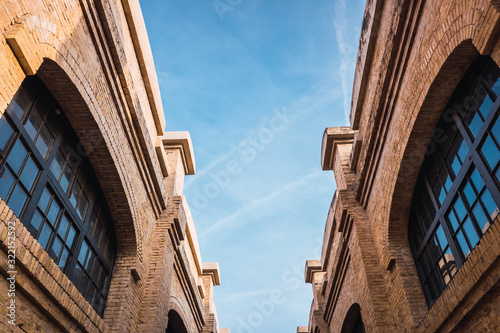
x=6, y=182
x=29, y=174
x=36, y=221
x=89, y=265
x=477, y=180
x=57, y=165
x=64, y=259
x=7, y=133
x=22, y=100
x=486, y=106
x=441, y=237
x=44, y=200
x=63, y=226
x=83, y=253
x=82, y=206
x=43, y=239
x=17, y=156
x=489, y=204
x=463, y=244
x=55, y=249
x=75, y=193
x=469, y=194
x=495, y=131
x=44, y=141
x=470, y=232
x=84, y=283
x=460, y=209
x=475, y=125
x=453, y=220
x=463, y=150
x=71, y=237
x=480, y=217
x=66, y=178
x=17, y=200
x=490, y=152
x=33, y=123
x=54, y=210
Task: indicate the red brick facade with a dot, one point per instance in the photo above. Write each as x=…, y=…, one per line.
x=95, y=59
x=412, y=55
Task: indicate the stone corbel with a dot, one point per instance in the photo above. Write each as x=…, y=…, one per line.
x=24, y=47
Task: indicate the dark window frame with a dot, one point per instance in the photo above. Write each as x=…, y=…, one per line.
x=90, y=190
x=435, y=269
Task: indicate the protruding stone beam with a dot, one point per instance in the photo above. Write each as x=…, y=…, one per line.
x=302, y=329
x=332, y=138
x=212, y=268
x=312, y=266
x=181, y=141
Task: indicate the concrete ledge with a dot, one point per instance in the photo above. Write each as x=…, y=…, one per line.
x=302, y=329
x=182, y=141
x=332, y=137
x=162, y=156
x=312, y=266
x=212, y=268
x=140, y=40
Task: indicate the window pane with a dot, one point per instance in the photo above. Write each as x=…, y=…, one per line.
x=490, y=152
x=17, y=156
x=475, y=124
x=491, y=207
x=22, y=100
x=71, y=237
x=57, y=165
x=34, y=123
x=64, y=259
x=44, y=200
x=66, y=178
x=55, y=249
x=480, y=217
x=44, y=141
x=53, y=212
x=462, y=243
x=45, y=235
x=83, y=253
x=30, y=171
x=63, y=227
x=36, y=221
x=7, y=133
x=17, y=199
x=470, y=232
x=6, y=182
x=469, y=193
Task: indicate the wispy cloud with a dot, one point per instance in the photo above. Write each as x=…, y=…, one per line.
x=297, y=110
x=347, y=53
x=267, y=201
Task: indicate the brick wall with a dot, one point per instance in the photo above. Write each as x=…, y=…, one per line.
x=412, y=55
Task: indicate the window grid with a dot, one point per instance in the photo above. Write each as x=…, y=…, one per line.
x=457, y=176
x=53, y=190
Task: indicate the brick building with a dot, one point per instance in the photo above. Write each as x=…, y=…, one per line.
x=93, y=224
x=411, y=242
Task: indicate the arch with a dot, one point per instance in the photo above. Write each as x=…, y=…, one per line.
x=425, y=123
x=353, y=322
x=395, y=238
x=60, y=70
x=175, y=323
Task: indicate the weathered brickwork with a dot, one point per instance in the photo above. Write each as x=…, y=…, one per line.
x=95, y=59
x=411, y=58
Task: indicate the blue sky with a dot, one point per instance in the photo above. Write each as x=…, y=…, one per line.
x=256, y=83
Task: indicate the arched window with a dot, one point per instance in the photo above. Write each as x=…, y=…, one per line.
x=175, y=323
x=353, y=323
x=48, y=182
x=457, y=193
